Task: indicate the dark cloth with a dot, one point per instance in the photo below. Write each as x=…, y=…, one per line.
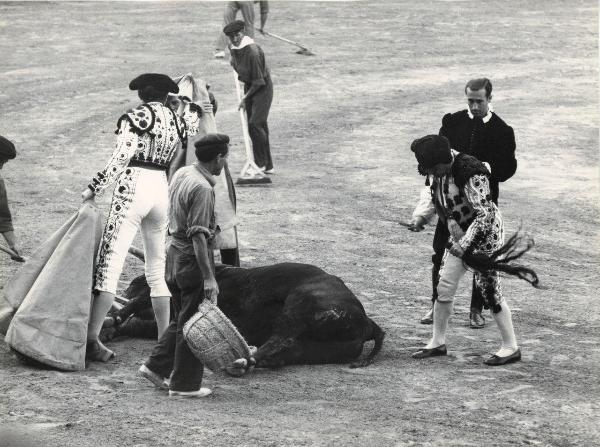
x=466, y=166
x=209, y=146
x=431, y=150
x=492, y=142
x=7, y=149
x=250, y=64
x=172, y=353
x=5, y=216
x=257, y=109
x=234, y=27
x=160, y=82
x=230, y=256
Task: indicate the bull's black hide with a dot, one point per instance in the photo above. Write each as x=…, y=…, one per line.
x=294, y=313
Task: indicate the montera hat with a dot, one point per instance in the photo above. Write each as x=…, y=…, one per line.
x=7, y=149
x=431, y=150
x=234, y=27
x=159, y=81
x=210, y=145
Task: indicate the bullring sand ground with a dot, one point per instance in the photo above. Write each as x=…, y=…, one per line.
x=341, y=124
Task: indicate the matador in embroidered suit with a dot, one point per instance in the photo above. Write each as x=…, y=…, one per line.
x=461, y=197
x=147, y=141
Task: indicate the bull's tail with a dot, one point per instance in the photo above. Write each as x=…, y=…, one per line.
x=377, y=334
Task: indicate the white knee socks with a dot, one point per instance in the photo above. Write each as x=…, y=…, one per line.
x=441, y=316
x=162, y=312
x=509, y=340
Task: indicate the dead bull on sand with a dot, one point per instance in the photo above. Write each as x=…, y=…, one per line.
x=294, y=313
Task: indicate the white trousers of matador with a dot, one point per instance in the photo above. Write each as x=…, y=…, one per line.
x=140, y=201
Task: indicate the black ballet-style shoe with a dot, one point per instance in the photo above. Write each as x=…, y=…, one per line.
x=495, y=360
x=433, y=352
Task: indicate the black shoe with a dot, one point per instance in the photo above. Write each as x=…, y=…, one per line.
x=428, y=317
x=433, y=352
x=494, y=360
x=476, y=319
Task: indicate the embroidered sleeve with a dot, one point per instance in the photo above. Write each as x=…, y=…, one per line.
x=142, y=119
x=191, y=118
x=127, y=143
x=425, y=210
x=477, y=193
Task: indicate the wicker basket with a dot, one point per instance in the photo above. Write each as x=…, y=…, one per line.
x=213, y=338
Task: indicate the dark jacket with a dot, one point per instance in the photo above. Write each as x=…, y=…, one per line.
x=493, y=143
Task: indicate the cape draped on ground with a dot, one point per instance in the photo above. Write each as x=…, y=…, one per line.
x=51, y=295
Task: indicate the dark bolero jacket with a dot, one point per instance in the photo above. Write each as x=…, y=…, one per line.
x=495, y=144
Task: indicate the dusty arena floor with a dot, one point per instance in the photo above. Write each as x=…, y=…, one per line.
x=341, y=125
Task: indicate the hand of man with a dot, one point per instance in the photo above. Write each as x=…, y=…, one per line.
x=211, y=290
x=207, y=107
x=242, y=104
x=456, y=250
x=87, y=194
x=455, y=230
x=416, y=226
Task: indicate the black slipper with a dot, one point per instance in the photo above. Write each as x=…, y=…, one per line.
x=495, y=360
x=433, y=352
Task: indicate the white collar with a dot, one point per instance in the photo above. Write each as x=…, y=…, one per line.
x=486, y=118
x=246, y=40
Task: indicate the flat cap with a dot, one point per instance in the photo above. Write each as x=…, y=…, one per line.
x=234, y=27
x=210, y=145
x=159, y=81
x=431, y=150
x=7, y=149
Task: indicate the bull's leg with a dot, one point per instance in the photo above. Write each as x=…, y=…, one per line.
x=278, y=351
x=282, y=347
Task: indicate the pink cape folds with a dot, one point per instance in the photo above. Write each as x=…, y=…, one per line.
x=51, y=295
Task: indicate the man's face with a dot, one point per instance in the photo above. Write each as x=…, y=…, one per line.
x=479, y=103
x=175, y=104
x=236, y=38
x=220, y=163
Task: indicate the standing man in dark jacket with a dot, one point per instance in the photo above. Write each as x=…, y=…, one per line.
x=479, y=132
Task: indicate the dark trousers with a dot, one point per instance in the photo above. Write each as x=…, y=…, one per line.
x=172, y=354
x=440, y=240
x=257, y=110
x=230, y=256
